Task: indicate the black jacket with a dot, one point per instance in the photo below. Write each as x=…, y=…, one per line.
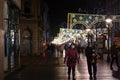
x=89, y=51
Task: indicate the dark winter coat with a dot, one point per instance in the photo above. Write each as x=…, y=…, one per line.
x=90, y=54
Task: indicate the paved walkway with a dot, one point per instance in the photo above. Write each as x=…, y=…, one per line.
x=54, y=69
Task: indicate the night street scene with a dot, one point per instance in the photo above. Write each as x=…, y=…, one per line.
x=59, y=40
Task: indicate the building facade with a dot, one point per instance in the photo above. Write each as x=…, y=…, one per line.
x=113, y=8
x=31, y=27
x=9, y=17
x=1, y=40
x=21, y=32
x=11, y=34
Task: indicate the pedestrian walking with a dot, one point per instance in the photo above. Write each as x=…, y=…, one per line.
x=91, y=60
x=71, y=57
x=114, y=56
x=79, y=49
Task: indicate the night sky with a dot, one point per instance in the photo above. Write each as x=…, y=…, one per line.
x=58, y=9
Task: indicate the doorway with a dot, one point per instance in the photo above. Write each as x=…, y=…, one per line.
x=27, y=42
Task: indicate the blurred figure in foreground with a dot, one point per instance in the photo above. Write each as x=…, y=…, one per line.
x=114, y=56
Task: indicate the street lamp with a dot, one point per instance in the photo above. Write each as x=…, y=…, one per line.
x=108, y=20
x=108, y=25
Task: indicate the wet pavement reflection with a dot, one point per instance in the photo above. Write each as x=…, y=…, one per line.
x=51, y=68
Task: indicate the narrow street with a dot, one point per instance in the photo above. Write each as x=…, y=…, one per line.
x=49, y=68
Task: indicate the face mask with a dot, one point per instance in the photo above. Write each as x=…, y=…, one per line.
x=90, y=45
x=73, y=46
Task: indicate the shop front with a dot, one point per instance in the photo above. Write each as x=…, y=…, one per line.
x=11, y=21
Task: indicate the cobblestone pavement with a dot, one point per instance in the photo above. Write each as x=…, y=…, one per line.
x=54, y=69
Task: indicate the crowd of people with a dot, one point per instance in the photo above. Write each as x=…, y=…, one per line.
x=72, y=58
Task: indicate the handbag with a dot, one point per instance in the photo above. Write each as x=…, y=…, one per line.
x=72, y=60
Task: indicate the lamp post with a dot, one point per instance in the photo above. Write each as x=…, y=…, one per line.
x=108, y=25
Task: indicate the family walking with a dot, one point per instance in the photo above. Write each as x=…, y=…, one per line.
x=72, y=58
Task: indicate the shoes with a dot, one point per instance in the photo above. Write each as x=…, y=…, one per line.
x=111, y=68
x=73, y=77
x=95, y=77
x=68, y=77
x=90, y=77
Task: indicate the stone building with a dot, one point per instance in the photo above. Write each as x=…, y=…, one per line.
x=31, y=27
x=9, y=11
x=113, y=8
x=21, y=32
x=1, y=39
